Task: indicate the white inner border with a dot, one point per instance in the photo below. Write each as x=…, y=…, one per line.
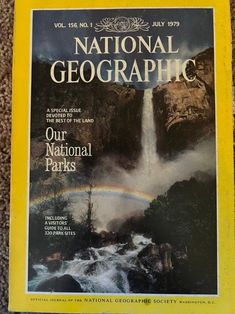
x=150, y=295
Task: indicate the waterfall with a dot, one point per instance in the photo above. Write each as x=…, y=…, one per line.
x=148, y=139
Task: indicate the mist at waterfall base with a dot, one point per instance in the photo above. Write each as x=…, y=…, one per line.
x=153, y=174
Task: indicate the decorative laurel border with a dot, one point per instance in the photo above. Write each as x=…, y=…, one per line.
x=122, y=25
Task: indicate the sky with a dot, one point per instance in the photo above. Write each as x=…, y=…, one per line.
x=194, y=35
x=195, y=31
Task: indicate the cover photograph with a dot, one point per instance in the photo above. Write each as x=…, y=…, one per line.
x=122, y=166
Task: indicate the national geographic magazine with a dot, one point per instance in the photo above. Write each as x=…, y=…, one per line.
x=122, y=163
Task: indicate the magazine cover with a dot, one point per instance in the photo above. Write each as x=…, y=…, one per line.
x=122, y=176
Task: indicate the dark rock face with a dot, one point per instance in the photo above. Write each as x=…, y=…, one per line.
x=150, y=258
x=87, y=254
x=116, y=109
x=124, y=238
x=103, y=238
x=54, y=261
x=165, y=253
x=31, y=272
x=53, y=265
x=128, y=246
x=106, y=238
x=65, y=283
x=93, y=267
x=139, y=281
x=156, y=258
x=184, y=111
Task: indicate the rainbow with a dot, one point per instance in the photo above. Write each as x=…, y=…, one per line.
x=100, y=190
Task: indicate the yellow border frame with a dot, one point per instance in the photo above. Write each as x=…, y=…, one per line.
x=19, y=300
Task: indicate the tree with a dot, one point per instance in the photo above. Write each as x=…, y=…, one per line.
x=90, y=213
x=88, y=216
x=186, y=217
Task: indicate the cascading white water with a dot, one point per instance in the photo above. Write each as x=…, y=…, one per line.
x=148, y=139
x=103, y=270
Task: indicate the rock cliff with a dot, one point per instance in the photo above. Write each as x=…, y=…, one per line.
x=184, y=111
x=116, y=110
